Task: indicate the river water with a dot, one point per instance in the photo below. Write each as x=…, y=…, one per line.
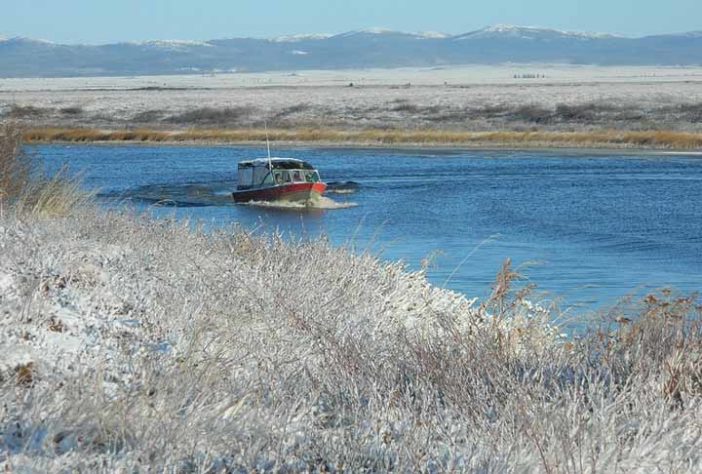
x=588, y=229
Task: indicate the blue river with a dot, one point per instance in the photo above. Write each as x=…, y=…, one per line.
x=587, y=229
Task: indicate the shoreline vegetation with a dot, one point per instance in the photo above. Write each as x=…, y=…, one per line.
x=503, y=107
x=130, y=343
x=608, y=139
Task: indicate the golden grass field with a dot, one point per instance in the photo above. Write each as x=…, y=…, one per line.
x=654, y=139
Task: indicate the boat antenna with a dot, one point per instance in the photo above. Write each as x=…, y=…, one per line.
x=268, y=146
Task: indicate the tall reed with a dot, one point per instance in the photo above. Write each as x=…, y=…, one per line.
x=14, y=166
x=24, y=190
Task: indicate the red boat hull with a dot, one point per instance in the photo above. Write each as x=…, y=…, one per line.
x=295, y=192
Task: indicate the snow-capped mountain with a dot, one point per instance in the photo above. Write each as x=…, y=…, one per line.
x=432, y=35
x=171, y=44
x=378, y=48
x=300, y=37
x=25, y=40
x=528, y=33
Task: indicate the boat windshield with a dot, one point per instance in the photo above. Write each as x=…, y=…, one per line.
x=311, y=176
x=296, y=176
x=280, y=164
x=267, y=180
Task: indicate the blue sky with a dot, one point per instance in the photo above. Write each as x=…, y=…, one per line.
x=102, y=21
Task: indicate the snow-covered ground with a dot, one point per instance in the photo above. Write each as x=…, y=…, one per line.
x=453, y=75
x=129, y=344
x=479, y=98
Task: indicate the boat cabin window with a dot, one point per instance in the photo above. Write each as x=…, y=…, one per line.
x=297, y=176
x=291, y=165
x=252, y=175
x=286, y=176
x=245, y=177
x=267, y=180
x=312, y=177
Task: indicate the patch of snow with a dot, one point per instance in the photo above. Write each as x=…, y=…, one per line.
x=690, y=34
x=505, y=28
x=377, y=31
x=528, y=32
x=24, y=39
x=14, y=356
x=432, y=35
x=588, y=34
x=172, y=44
x=7, y=284
x=128, y=323
x=367, y=31
x=300, y=37
x=60, y=349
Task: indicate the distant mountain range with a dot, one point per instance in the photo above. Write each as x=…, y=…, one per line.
x=23, y=57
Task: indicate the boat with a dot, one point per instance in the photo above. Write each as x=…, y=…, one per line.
x=278, y=179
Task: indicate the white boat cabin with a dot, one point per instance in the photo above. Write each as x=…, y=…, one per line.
x=255, y=174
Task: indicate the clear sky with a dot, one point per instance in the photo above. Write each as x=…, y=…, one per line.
x=103, y=21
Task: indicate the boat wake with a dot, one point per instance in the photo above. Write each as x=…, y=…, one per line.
x=216, y=194
x=321, y=203
x=342, y=187
x=176, y=194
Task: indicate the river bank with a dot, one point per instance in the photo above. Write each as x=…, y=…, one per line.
x=129, y=342
x=588, y=140
x=496, y=106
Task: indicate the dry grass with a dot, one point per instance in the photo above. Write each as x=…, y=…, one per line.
x=212, y=116
x=58, y=195
x=448, y=109
x=593, y=139
x=186, y=351
x=91, y=135
x=37, y=195
x=14, y=167
x=26, y=112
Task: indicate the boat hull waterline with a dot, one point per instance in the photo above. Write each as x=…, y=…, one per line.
x=293, y=192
